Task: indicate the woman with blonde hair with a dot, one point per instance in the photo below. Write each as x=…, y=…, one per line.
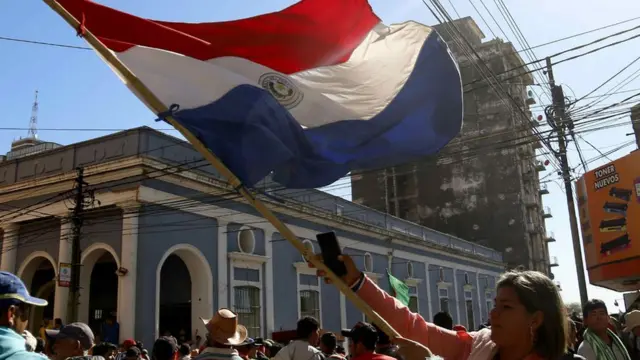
x=527, y=322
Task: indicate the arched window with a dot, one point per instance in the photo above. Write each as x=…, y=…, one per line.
x=246, y=241
x=309, y=245
x=409, y=269
x=368, y=262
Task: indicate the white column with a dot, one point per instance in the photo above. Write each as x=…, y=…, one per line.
x=268, y=275
x=343, y=311
x=479, y=299
x=64, y=256
x=126, y=312
x=223, y=280
x=9, y=247
x=427, y=280
x=455, y=293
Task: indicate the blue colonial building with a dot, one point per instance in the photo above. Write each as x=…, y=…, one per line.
x=167, y=241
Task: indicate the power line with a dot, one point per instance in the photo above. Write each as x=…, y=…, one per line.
x=517, y=32
x=621, y=84
x=482, y=18
x=192, y=204
x=579, y=34
x=465, y=154
x=45, y=43
x=77, y=129
x=607, y=81
x=595, y=148
x=570, y=50
x=179, y=225
x=506, y=71
x=34, y=42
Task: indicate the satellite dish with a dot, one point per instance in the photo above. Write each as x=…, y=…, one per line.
x=530, y=93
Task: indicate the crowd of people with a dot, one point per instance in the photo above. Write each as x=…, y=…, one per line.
x=529, y=321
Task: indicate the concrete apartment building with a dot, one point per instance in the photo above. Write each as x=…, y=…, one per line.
x=481, y=187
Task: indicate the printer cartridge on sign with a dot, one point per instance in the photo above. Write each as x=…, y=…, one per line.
x=622, y=194
x=618, y=243
x=613, y=225
x=616, y=208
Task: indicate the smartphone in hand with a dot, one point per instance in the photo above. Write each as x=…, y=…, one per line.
x=330, y=249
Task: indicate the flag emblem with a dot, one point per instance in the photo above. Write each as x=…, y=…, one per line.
x=282, y=89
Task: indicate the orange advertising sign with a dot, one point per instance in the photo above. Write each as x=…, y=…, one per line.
x=609, y=204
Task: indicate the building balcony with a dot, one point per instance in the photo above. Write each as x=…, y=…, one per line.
x=558, y=285
x=530, y=101
x=553, y=261
x=539, y=166
x=546, y=213
x=544, y=190
x=550, y=237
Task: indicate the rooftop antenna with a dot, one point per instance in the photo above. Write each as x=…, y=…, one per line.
x=33, y=122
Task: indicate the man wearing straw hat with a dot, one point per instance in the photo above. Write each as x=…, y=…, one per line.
x=224, y=332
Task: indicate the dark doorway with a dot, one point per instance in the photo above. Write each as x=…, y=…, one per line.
x=103, y=291
x=175, y=298
x=43, y=285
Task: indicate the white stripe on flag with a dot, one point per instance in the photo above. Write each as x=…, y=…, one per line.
x=355, y=90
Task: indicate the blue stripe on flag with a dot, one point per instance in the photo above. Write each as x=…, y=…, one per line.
x=253, y=134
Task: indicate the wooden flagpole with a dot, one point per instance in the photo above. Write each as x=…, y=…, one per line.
x=233, y=180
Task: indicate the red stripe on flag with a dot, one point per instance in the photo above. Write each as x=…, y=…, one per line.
x=308, y=34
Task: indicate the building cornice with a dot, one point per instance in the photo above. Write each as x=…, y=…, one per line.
x=250, y=258
x=303, y=268
x=412, y=281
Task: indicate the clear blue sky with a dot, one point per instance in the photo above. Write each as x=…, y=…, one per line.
x=77, y=90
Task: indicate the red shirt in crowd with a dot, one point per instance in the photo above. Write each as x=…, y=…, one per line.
x=372, y=356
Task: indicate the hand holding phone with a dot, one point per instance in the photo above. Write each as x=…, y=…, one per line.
x=330, y=249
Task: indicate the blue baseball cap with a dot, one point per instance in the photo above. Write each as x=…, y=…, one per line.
x=12, y=288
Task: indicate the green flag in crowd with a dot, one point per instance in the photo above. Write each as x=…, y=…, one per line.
x=399, y=289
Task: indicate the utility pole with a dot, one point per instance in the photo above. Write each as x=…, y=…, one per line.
x=77, y=221
x=561, y=122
